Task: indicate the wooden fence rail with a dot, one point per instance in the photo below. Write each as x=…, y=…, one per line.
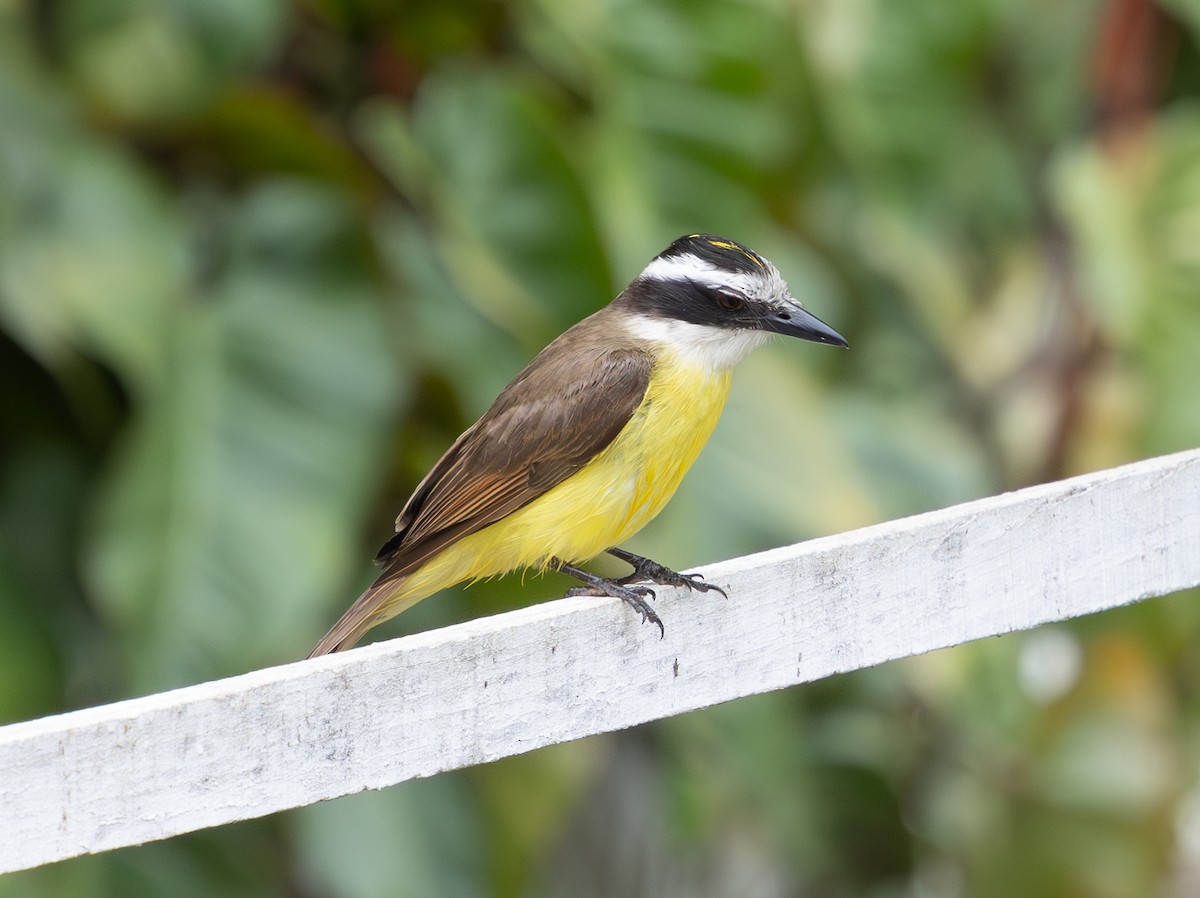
x=166, y=764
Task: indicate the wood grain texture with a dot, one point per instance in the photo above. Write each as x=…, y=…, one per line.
x=233, y=749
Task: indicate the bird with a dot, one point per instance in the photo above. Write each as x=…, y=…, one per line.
x=591, y=439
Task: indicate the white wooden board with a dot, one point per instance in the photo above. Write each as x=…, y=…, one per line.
x=233, y=749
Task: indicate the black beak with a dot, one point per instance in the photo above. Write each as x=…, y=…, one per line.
x=794, y=321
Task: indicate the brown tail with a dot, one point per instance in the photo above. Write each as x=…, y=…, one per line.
x=368, y=610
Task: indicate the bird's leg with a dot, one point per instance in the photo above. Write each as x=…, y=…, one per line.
x=634, y=596
x=645, y=569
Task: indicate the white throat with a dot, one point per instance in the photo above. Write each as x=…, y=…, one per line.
x=711, y=348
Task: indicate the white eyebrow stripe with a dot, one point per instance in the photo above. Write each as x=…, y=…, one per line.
x=690, y=268
x=679, y=268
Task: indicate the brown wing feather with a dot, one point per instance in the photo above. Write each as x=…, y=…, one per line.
x=546, y=425
x=565, y=407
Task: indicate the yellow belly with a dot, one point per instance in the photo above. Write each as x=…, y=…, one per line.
x=604, y=503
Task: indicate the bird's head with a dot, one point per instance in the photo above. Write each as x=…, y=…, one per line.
x=715, y=300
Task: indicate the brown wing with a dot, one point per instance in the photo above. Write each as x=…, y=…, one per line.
x=548, y=423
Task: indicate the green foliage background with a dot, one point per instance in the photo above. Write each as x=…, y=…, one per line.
x=260, y=262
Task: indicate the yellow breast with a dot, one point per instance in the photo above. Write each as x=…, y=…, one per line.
x=648, y=459
x=609, y=499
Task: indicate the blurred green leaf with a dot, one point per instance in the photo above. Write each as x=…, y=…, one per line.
x=229, y=521
x=152, y=61
x=90, y=248
x=415, y=840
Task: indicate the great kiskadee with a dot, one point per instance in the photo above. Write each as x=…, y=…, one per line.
x=591, y=439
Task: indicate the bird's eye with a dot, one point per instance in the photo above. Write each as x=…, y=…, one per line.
x=729, y=299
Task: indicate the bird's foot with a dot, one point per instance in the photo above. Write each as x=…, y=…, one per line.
x=633, y=596
x=645, y=569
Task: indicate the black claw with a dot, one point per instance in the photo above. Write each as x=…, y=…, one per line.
x=634, y=596
x=645, y=569
x=693, y=581
x=626, y=588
